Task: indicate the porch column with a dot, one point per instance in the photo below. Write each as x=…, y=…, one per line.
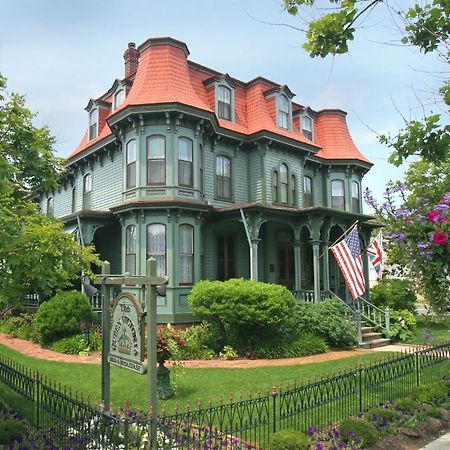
x=254, y=259
x=316, y=270
x=297, y=266
x=325, y=267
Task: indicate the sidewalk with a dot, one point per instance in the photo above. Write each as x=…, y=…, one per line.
x=443, y=443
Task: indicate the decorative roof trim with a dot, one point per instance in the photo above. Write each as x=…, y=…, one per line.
x=164, y=41
x=218, y=79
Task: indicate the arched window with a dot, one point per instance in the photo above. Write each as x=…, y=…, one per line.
x=283, y=112
x=284, y=189
x=223, y=177
x=93, y=122
x=224, y=102
x=185, y=177
x=307, y=192
x=186, y=254
x=87, y=191
x=156, y=246
x=131, y=164
x=338, y=194
x=355, y=197
x=156, y=160
x=74, y=200
x=119, y=97
x=307, y=129
x=293, y=190
x=50, y=206
x=130, y=250
x=275, y=190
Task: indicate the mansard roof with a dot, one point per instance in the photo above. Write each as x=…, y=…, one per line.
x=165, y=76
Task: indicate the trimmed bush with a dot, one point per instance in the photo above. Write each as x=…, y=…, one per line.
x=288, y=440
x=245, y=312
x=61, y=316
x=364, y=430
x=327, y=320
x=10, y=431
x=304, y=345
x=394, y=294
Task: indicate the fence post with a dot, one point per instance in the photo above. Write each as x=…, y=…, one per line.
x=360, y=390
x=38, y=394
x=274, y=408
x=416, y=360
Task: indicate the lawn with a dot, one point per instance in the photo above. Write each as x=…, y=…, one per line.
x=439, y=329
x=191, y=384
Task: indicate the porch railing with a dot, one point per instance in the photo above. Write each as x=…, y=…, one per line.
x=308, y=295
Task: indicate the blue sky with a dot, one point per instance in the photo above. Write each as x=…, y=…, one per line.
x=60, y=53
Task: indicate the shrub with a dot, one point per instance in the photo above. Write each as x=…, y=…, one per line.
x=78, y=344
x=304, y=345
x=61, y=316
x=384, y=418
x=407, y=405
x=327, y=320
x=394, y=294
x=200, y=342
x=402, y=325
x=10, y=430
x=433, y=411
x=288, y=440
x=432, y=393
x=364, y=430
x=246, y=312
x=228, y=353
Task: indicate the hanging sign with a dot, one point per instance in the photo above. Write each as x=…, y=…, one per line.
x=127, y=334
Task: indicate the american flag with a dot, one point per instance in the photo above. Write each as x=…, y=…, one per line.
x=348, y=256
x=375, y=252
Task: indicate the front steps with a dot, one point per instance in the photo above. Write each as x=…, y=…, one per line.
x=372, y=339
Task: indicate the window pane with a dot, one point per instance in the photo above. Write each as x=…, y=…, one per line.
x=307, y=185
x=119, y=97
x=87, y=183
x=93, y=124
x=131, y=151
x=337, y=194
x=185, y=173
x=224, y=94
x=50, y=206
x=156, y=147
x=223, y=177
x=355, y=197
x=130, y=256
x=186, y=254
x=283, y=173
x=131, y=239
x=131, y=175
x=184, y=149
x=293, y=191
x=156, y=162
x=156, y=246
x=74, y=200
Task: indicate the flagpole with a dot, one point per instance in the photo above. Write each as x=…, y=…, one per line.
x=342, y=236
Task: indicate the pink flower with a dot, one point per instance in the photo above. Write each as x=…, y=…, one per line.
x=433, y=216
x=440, y=238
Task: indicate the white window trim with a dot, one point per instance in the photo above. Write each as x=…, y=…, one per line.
x=233, y=104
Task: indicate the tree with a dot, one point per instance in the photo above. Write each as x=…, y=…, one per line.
x=415, y=212
x=36, y=255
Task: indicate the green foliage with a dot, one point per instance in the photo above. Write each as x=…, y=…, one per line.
x=394, y=294
x=385, y=418
x=228, y=353
x=10, y=431
x=79, y=344
x=245, y=312
x=402, y=326
x=432, y=393
x=288, y=440
x=304, y=345
x=407, y=405
x=360, y=428
x=21, y=326
x=434, y=411
x=200, y=342
x=62, y=315
x=327, y=320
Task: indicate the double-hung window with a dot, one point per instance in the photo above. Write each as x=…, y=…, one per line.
x=307, y=192
x=93, y=124
x=223, y=177
x=131, y=164
x=119, y=97
x=156, y=160
x=284, y=185
x=186, y=254
x=283, y=112
x=87, y=191
x=185, y=177
x=355, y=197
x=130, y=252
x=307, y=127
x=156, y=246
x=224, y=102
x=338, y=194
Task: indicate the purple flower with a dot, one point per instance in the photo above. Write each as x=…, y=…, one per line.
x=427, y=253
x=311, y=430
x=445, y=199
x=398, y=237
x=401, y=212
x=442, y=208
x=422, y=245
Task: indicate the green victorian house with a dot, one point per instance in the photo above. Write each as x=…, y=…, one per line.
x=212, y=176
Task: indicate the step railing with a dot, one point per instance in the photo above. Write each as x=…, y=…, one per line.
x=373, y=314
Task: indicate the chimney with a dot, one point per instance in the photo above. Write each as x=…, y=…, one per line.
x=131, y=57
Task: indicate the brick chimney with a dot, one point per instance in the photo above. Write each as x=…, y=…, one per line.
x=131, y=57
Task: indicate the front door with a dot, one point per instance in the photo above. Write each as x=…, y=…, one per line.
x=286, y=269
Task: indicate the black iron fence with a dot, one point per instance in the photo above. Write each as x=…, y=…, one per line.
x=69, y=421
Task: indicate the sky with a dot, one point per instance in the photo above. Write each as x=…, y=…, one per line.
x=59, y=54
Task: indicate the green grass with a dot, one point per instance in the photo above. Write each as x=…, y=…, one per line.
x=439, y=328
x=191, y=384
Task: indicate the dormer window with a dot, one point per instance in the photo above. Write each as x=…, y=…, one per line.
x=283, y=112
x=307, y=127
x=119, y=97
x=93, y=124
x=224, y=103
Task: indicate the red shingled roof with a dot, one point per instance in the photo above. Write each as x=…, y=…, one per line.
x=164, y=75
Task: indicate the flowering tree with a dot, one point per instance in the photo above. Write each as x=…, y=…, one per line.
x=418, y=234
